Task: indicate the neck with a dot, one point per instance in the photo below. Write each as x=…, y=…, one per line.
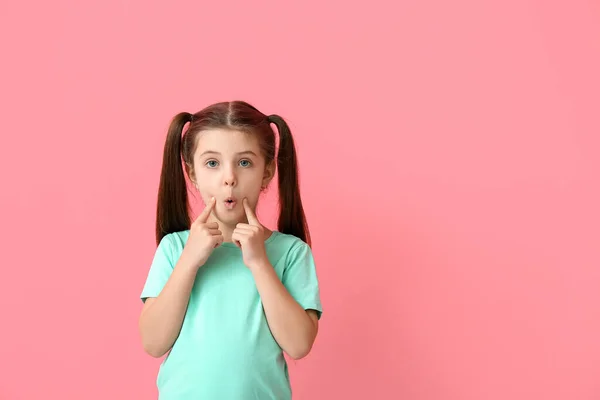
x=226, y=229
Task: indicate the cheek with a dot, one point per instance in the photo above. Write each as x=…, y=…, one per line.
x=253, y=186
x=206, y=186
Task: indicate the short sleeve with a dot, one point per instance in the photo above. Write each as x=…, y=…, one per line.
x=160, y=269
x=300, y=278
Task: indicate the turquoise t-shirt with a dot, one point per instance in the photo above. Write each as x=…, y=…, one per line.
x=225, y=349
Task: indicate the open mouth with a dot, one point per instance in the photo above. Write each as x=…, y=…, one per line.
x=230, y=202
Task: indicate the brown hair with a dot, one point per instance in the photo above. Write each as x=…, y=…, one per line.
x=172, y=214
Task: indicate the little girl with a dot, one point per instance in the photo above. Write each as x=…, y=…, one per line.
x=225, y=296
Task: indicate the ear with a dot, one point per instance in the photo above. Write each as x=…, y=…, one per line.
x=190, y=171
x=269, y=173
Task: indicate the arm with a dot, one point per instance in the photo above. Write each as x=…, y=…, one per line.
x=292, y=327
x=162, y=317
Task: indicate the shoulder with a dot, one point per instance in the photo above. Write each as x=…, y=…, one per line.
x=287, y=243
x=288, y=247
x=173, y=243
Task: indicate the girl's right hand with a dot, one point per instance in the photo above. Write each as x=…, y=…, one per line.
x=204, y=238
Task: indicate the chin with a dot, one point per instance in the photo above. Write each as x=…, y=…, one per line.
x=229, y=217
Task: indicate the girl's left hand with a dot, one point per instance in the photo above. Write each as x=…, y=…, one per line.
x=250, y=238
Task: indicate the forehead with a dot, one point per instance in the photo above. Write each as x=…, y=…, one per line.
x=226, y=141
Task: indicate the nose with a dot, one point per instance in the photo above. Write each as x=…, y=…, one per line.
x=229, y=178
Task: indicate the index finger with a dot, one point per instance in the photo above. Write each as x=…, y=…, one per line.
x=203, y=217
x=252, y=220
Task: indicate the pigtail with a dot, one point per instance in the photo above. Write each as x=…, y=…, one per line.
x=172, y=207
x=291, y=213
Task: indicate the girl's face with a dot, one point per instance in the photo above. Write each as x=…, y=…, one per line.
x=229, y=166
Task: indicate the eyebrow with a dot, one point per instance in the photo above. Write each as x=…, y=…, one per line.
x=239, y=153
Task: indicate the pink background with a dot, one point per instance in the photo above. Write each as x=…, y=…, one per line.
x=449, y=165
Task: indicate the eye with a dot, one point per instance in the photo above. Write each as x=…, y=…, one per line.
x=245, y=163
x=211, y=163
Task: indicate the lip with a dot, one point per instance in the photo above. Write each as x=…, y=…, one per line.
x=230, y=202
